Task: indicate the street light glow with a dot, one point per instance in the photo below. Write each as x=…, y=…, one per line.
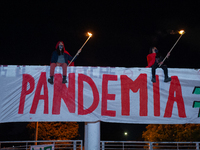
x=125, y=133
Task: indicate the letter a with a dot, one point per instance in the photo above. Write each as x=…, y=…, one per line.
x=64, y=92
x=42, y=82
x=175, y=95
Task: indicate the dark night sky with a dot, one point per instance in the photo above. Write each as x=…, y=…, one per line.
x=122, y=31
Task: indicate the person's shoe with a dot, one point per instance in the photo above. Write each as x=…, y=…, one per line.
x=50, y=80
x=168, y=79
x=153, y=80
x=64, y=80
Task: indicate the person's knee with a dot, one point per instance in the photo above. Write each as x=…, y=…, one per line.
x=164, y=67
x=52, y=64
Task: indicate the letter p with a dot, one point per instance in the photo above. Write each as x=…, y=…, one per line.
x=27, y=78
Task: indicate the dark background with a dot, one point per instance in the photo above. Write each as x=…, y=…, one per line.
x=109, y=131
x=123, y=32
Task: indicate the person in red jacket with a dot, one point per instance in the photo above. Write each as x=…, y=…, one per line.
x=154, y=60
x=60, y=57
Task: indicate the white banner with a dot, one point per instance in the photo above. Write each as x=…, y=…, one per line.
x=124, y=95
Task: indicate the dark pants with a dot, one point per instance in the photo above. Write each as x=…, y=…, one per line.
x=155, y=66
x=53, y=66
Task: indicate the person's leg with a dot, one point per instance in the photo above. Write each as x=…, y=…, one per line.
x=64, y=67
x=52, y=69
x=164, y=67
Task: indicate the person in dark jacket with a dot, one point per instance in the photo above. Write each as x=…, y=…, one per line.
x=154, y=59
x=60, y=57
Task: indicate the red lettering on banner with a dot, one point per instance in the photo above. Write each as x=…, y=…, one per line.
x=175, y=95
x=26, y=79
x=42, y=82
x=156, y=97
x=67, y=94
x=139, y=84
x=83, y=78
x=106, y=96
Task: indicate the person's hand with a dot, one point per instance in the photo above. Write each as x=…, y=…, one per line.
x=168, y=54
x=153, y=50
x=160, y=63
x=79, y=51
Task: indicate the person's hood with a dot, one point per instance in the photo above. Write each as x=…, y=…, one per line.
x=63, y=47
x=72, y=64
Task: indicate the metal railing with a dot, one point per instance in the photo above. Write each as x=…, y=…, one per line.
x=104, y=145
x=26, y=145
x=145, y=145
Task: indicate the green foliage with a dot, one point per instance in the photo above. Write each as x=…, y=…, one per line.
x=177, y=132
x=54, y=130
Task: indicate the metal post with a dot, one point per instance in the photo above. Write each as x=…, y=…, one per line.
x=26, y=145
x=197, y=146
x=102, y=145
x=74, y=145
x=150, y=146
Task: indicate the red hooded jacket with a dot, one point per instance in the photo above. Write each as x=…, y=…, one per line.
x=151, y=58
x=72, y=64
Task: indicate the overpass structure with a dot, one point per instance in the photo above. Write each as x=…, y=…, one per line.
x=94, y=94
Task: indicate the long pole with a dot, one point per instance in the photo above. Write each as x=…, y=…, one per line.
x=36, y=132
x=90, y=35
x=172, y=48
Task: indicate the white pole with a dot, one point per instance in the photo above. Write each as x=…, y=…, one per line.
x=172, y=48
x=90, y=35
x=93, y=136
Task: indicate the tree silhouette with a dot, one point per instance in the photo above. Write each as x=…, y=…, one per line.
x=54, y=130
x=177, y=132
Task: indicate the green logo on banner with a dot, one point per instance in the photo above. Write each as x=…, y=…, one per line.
x=43, y=148
x=48, y=148
x=196, y=104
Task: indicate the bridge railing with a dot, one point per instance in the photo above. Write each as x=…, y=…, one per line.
x=145, y=145
x=104, y=145
x=26, y=145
